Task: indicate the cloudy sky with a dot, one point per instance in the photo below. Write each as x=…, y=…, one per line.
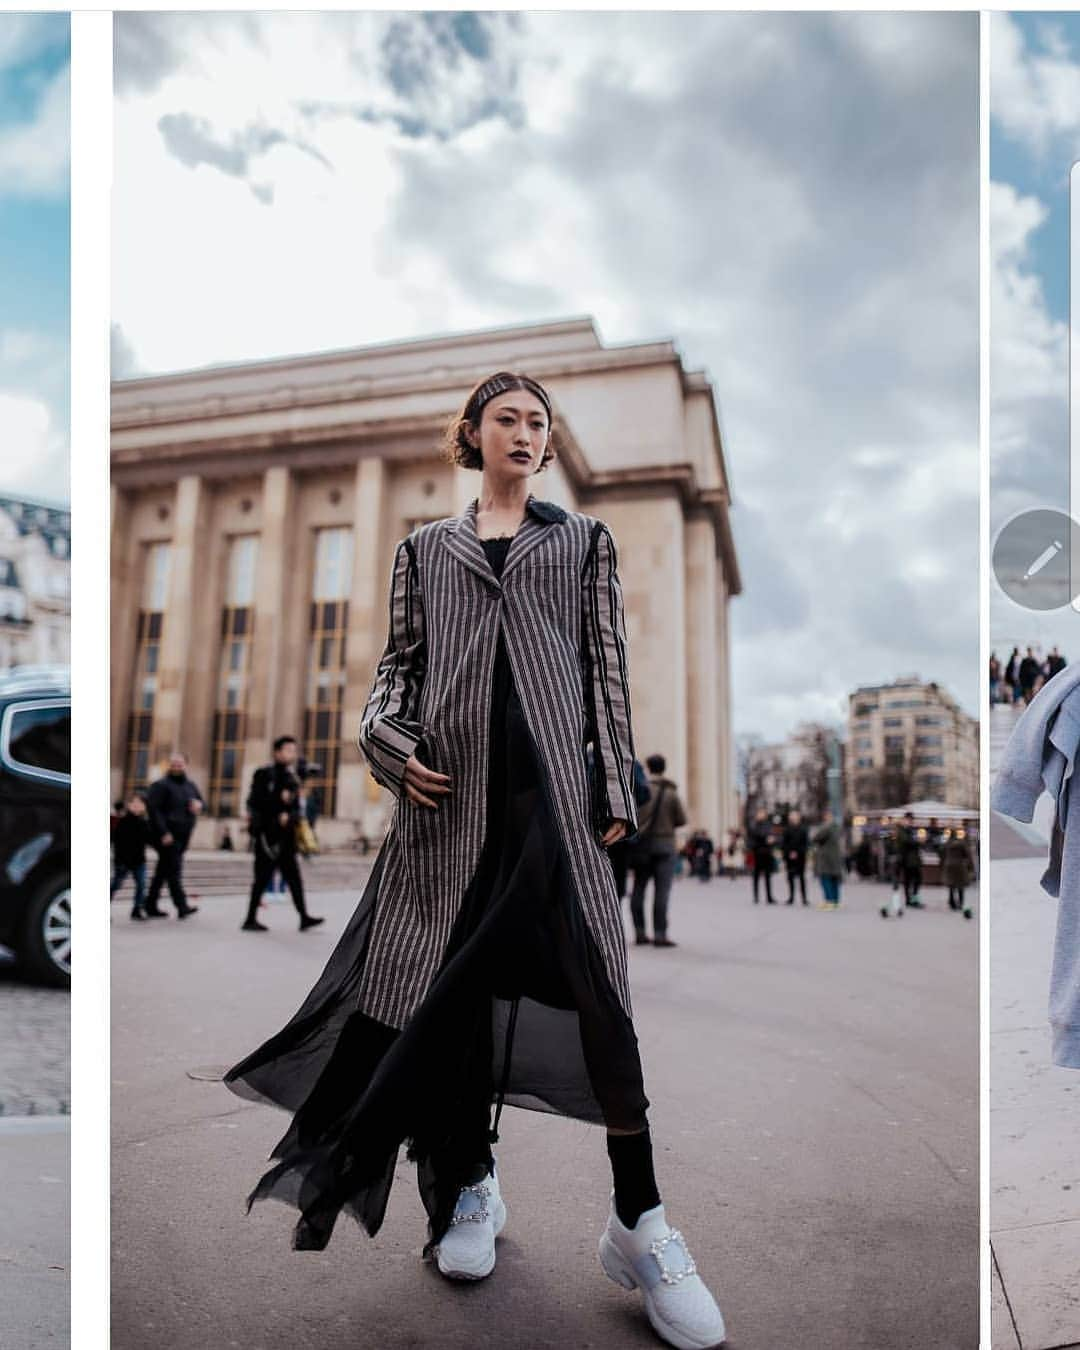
x=791, y=198
x=34, y=223
x=1034, y=140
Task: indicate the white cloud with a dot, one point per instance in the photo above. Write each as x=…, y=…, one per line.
x=34, y=155
x=35, y=459
x=1036, y=93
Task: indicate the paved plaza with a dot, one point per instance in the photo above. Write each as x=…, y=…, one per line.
x=1034, y=1140
x=814, y=1080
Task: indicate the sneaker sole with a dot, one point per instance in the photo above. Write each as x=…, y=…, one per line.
x=617, y=1268
x=450, y=1274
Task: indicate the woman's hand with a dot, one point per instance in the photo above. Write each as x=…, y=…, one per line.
x=422, y=783
x=614, y=832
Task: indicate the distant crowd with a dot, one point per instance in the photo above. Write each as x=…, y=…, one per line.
x=1021, y=678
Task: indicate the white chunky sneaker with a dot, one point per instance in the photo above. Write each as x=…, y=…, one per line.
x=655, y=1259
x=467, y=1251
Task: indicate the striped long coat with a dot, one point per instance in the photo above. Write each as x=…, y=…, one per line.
x=559, y=603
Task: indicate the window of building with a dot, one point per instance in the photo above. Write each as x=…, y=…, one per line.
x=894, y=742
x=893, y=722
x=929, y=759
x=928, y=740
x=927, y=721
x=148, y=635
x=234, y=664
x=329, y=620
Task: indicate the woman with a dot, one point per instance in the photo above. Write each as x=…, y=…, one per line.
x=486, y=960
x=958, y=869
x=829, y=860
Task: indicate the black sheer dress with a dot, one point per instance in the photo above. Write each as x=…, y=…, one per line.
x=521, y=1010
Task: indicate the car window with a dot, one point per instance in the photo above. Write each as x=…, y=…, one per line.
x=40, y=738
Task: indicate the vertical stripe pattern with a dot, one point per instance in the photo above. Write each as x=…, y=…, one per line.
x=559, y=604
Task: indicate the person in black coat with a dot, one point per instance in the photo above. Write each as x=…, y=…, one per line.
x=796, y=844
x=174, y=804
x=274, y=809
x=908, y=861
x=759, y=841
x=130, y=835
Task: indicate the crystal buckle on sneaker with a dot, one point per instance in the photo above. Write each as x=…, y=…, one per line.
x=657, y=1249
x=481, y=1189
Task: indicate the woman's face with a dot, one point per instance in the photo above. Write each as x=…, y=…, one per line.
x=513, y=434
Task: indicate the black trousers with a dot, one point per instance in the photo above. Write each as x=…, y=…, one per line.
x=796, y=873
x=169, y=872
x=911, y=879
x=763, y=868
x=271, y=857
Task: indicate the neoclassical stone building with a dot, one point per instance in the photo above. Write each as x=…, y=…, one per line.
x=255, y=510
x=35, y=583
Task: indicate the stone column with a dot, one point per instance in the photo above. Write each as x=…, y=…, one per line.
x=123, y=620
x=725, y=734
x=357, y=794
x=271, y=617
x=177, y=659
x=703, y=687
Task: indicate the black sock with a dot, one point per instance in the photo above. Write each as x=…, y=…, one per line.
x=632, y=1173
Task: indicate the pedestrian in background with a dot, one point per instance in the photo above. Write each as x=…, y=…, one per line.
x=173, y=804
x=274, y=808
x=653, y=854
x=698, y=851
x=995, y=677
x=619, y=851
x=130, y=835
x=795, y=844
x=1028, y=676
x=759, y=842
x=907, y=853
x=829, y=860
x=734, y=849
x=1012, y=676
x=957, y=867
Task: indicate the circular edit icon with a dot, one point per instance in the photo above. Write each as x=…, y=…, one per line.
x=1032, y=558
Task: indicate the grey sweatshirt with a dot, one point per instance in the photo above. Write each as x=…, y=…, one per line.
x=1041, y=756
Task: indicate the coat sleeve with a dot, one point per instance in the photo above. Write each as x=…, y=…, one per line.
x=607, y=677
x=389, y=728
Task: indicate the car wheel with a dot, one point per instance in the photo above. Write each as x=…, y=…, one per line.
x=46, y=939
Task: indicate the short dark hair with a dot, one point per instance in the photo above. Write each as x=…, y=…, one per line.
x=284, y=740
x=656, y=763
x=457, y=448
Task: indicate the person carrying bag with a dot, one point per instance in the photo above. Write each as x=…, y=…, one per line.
x=653, y=854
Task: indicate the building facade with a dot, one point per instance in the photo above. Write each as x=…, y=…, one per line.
x=254, y=515
x=803, y=773
x=910, y=740
x=35, y=583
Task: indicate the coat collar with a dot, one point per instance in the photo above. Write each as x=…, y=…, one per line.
x=464, y=543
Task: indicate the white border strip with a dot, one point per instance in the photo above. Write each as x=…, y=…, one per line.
x=91, y=182
x=984, y=681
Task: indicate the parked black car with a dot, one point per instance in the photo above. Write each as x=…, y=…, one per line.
x=35, y=820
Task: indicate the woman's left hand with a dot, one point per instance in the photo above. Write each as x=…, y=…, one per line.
x=614, y=832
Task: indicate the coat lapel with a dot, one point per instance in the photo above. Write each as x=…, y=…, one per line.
x=464, y=543
x=461, y=539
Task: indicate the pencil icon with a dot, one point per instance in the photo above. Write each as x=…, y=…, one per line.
x=1043, y=558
